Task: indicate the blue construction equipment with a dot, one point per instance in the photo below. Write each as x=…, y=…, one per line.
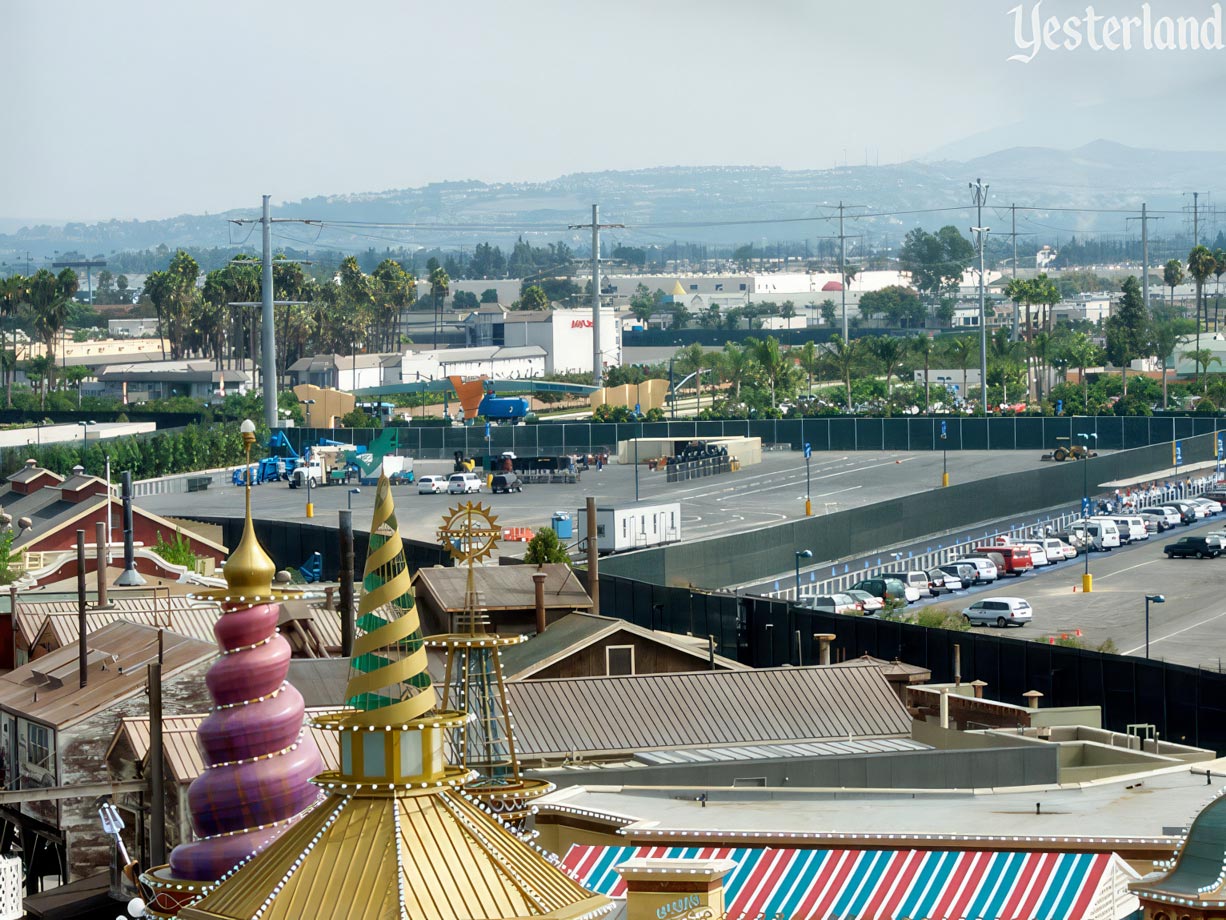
x=273, y=468
x=313, y=569
x=503, y=408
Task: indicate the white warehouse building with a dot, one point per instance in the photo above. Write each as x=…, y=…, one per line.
x=564, y=336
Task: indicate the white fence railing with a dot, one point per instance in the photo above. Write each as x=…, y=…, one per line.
x=843, y=575
x=178, y=483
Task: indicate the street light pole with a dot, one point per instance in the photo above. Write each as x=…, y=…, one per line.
x=801, y=554
x=1087, y=580
x=349, y=497
x=1157, y=599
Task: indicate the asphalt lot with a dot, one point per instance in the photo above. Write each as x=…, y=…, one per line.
x=756, y=496
x=1190, y=628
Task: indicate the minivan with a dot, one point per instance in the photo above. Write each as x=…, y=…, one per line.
x=1131, y=527
x=1100, y=536
x=963, y=572
x=985, y=569
x=460, y=483
x=1038, y=554
x=1165, y=517
x=916, y=580
x=1001, y=611
x=1188, y=512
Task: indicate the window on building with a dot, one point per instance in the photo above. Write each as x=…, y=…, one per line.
x=719, y=286
x=742, y=285
x=619, y=659
x=693, y=287
x=600, y=530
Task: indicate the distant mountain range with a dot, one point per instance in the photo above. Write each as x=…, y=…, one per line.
x=716, y=204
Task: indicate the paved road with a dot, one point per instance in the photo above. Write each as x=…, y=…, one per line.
x=1190, y=628
x=757, y=496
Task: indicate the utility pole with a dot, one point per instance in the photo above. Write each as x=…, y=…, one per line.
x=268, y=362
x=981, y=196
x=596, y=226
x=1144, y=219
x=1013, y=233
x=842, y=271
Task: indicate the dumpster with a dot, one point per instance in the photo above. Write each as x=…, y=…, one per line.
x=563, y=525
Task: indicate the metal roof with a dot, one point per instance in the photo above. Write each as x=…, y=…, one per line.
x=502, y=587
x=576, y=631
x=47, y=689
x=768, y=752
x=775, y=882
x=643, y=712
x=183, y=753
x=432, y=854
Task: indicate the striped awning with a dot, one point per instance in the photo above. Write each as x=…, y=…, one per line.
x=822, y=884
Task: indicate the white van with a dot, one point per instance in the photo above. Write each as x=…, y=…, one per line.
x=1132, y=528
x=1038, y=554
x=1057, y=549
x=461, y=483
x=1100, y=536
x=985, y=569
x=916, y=580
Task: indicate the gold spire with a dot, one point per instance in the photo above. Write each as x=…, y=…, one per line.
x=388, y=681
x=249, y=571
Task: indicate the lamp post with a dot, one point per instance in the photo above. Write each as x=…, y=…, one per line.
x=84, y=435
x=308, y=403
x=944, y=455
x=801, y=554
x=1087, y=580
x=1150, y=599
x=349, y=497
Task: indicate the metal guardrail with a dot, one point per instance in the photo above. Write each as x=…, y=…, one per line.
x=182, y=483
x=686, y=470
x=838, y=584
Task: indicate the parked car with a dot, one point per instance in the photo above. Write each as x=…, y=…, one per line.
x=1216, y=539
x=936, y=582
x=917, y=580
x=1131, y=527
x=1191, y=546
x=1038, y=554
x=461, y=483
x=832, y=603
x=431, y=485
x=962, y=572
x=1057, y=549
x=1210, y=505
x=888, y=588
x=1166, y=517
x=1001, y=611
x=506, y=482
x=870, y=603
x=1188, y=513
x=985, y=569
x=1096, y=536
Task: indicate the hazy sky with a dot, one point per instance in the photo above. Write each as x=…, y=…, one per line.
x=124, y=108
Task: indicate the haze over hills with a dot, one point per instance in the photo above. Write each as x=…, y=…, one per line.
x=715, y=204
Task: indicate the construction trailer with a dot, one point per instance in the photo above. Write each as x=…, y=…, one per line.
x=632, y=526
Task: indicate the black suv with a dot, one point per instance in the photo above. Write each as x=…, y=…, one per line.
x=1191, y=546
x=507, y=482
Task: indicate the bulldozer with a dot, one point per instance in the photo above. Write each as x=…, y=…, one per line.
x=1066, y=450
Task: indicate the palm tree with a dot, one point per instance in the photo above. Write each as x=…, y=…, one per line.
x=40, y=368
x=440, y=287
x=49, y=296
x=809, y=361
x=963, y=350
x=737, y=364
x=889, y=351
x=1219, y=269
x=1202, y=357
x=13, y=293
x=1167, y=331
x=773, y=362
x=1172, y=276
x=842, y=357
x=922, y=347
x=1038, y=350
x=1019, y=291
x=1003, y=354
x=1201, y=265
x=1081, y=352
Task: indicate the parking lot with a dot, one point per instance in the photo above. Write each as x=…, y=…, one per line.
x=1189, y=628
x=756, y=496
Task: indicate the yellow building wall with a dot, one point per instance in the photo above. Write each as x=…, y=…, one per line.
x=330, y=405
x=647, y=395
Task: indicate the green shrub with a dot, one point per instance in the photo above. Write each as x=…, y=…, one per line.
x=545, y=547
x=941, y=618
x=177, y=553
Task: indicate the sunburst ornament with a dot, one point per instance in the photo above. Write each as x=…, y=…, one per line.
x=470, y=532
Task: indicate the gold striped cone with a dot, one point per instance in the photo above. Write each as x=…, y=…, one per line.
x=392, y=641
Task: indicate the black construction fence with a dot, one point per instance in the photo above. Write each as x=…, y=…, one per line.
x=836, y=433
x=1186, y=705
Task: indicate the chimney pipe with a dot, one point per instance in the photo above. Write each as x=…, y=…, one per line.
x=711, y=652
x=957, y=665
x=157, y=786
x=100, y=549
x=944, y=707
x=129, y=577
x=538, y=586
x=593, y=556
x=823, y=646
x=979, y=685
x=82, y=645
x=346, y=576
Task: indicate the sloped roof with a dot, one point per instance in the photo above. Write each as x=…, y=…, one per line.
x=502, y=587
x=27, y=473
x=1197, y=874
x=48, y=690
x=59, y=618
x=430, y=855
x=880, y=883
x=617, y=715
x=576, y=631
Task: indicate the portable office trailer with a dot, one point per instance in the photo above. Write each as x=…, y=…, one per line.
x=625, y=527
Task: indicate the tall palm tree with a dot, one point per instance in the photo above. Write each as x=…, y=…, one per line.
x=1081, y=352
x=963, y=350
x=49, y=296
x=440, y=287
x=1172, y=276
x=1219, y=269
x=14, y=291
x=40, y=368
x=737, y=363
x=1167, y=331
x=890, y=352
x=1003, y=354
x=1201, y=265
x=843, y=357
x=1039, y=349
x=809, y=361
x=774, y=363
x=922, y=346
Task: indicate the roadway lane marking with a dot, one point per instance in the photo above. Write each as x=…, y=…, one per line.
x=836, y=492
x=1129, y=569
x=1156, y=640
